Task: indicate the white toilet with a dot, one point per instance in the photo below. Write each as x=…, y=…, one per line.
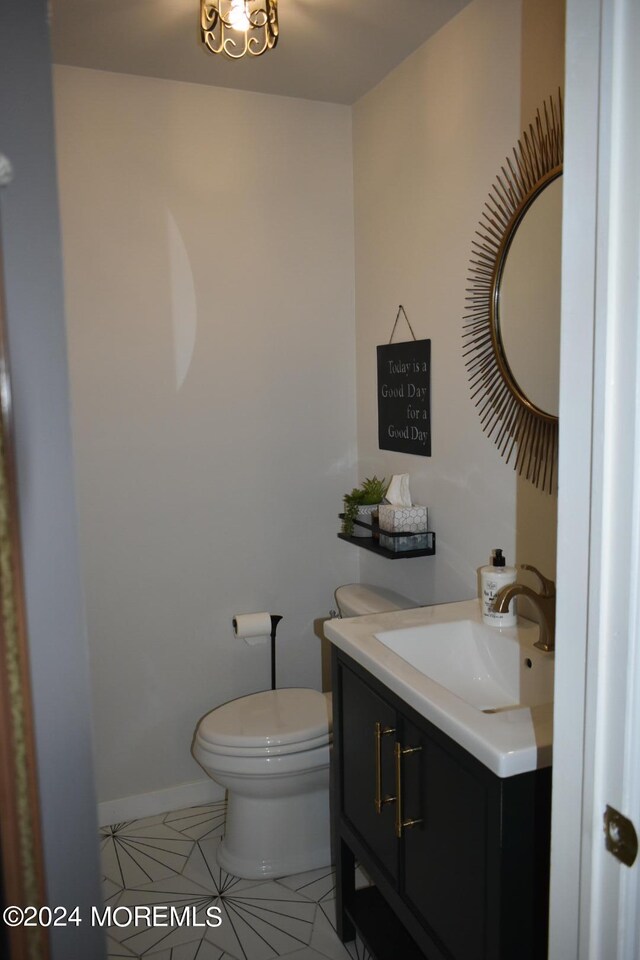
x=270, y=751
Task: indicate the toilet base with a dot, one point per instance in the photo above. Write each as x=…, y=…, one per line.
x=275, y=837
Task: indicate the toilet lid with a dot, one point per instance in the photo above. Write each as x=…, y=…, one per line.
x=270, y=718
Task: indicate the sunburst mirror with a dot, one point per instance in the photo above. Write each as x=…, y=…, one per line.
x=512, y=316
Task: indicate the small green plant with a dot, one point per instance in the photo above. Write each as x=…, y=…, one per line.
x=371, y=490
x=374, y=489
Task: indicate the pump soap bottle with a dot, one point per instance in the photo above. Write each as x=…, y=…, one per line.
x=492, y=579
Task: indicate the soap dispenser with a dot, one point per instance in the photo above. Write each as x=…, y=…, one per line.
x=493, y=578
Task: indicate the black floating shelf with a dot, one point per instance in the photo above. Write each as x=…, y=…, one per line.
x=373, y=544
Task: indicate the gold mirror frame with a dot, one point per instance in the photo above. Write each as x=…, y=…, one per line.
x=516, y=424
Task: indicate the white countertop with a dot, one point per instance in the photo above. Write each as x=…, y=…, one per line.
x=508, y=743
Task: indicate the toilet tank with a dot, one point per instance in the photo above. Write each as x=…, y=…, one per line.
x=355, y=600
x=358, y=599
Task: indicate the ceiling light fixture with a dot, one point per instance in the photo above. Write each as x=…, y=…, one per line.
x=239, y=27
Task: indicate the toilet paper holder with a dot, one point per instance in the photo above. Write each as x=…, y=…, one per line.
x=275, y=620
x=253, y=625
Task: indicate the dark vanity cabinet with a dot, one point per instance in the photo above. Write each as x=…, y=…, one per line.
x=459, y=858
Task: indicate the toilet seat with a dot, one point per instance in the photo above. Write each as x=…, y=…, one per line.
x=269, y=723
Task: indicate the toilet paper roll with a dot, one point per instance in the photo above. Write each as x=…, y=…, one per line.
x=253, y=628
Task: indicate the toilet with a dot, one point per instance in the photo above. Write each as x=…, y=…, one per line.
x=270, y=751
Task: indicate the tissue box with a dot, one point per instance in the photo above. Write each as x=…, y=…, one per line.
x=402, y=519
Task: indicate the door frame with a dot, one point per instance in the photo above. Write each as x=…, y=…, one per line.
x=594, y=898
x=23, y=878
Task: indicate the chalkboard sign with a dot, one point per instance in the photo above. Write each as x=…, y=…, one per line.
x=404, y=397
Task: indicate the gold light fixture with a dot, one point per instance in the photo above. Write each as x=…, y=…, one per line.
x=239, y=28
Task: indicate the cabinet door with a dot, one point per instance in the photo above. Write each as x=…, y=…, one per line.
x=445, y=854
x=368, y=768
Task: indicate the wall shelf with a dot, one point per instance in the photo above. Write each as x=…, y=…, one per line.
x=373, y=544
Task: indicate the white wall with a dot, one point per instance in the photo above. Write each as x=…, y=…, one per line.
x=209, y=264
x=208, y=248
x=428, y=142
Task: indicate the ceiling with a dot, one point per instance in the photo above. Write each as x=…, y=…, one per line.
x=333, y=50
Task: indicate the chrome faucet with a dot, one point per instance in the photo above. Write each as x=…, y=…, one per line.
x=544, y=601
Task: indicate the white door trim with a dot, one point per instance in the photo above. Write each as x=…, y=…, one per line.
x=574, y=467
x=594, y=899
x=608, y=901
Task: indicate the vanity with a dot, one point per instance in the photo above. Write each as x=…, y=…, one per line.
x=441, y=786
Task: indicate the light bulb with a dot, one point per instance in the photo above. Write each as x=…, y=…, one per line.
x=238, y=19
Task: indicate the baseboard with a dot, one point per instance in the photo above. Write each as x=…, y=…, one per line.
x=159, y=801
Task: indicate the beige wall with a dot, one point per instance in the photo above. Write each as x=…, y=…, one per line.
x=542, y=75
x=428, y=142
x=542, y=68
x=208, y=246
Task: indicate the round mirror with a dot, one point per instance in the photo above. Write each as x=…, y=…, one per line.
x=528, y=310
x=512, y=322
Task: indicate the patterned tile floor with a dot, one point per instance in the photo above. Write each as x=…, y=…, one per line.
x=169, y=860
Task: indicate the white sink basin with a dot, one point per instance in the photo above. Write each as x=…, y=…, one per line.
x=488, y=668
x=490, y=690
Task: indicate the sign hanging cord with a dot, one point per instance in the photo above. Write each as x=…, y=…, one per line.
x=402, y=311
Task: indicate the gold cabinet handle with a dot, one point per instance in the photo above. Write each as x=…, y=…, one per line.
x=379, y=733
x=400, y=752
